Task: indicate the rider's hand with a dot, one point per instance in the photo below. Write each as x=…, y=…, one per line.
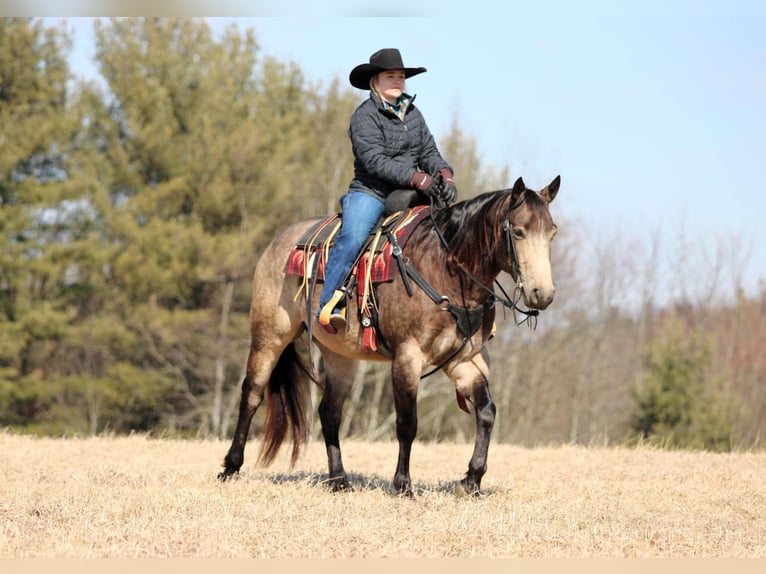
x=447, y=187
x=424, y=183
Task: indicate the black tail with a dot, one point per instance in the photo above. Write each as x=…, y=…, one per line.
x=285, y=407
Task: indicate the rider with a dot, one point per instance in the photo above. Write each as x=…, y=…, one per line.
x=393, y=150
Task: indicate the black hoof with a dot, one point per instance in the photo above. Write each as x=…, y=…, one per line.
x=339, y=484
x=464, y=490
x=225, y=475
x=403, y=487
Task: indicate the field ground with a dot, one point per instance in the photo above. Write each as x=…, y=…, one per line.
x=138, y=497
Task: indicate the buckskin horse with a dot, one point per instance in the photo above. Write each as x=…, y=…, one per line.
x=444, y=320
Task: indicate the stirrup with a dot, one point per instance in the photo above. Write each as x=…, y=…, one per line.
x=326, y=315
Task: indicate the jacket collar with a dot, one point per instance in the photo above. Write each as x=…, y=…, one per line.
x=399, y=109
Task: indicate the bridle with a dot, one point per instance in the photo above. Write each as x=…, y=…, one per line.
x=509, y=303
x=469, y=320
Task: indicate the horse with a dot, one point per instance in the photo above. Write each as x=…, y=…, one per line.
x=444, y=321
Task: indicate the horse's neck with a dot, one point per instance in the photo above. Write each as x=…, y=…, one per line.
x=476, y=280
x=470, y=260
x=475, y=247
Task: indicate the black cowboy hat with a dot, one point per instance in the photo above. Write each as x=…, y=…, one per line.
x=385, y=59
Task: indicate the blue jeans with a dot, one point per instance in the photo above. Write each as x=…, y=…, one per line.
x=361, y=212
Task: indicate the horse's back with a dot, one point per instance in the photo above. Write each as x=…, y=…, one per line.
x=274, y=306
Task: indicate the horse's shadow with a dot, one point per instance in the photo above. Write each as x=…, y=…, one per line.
x=363, y=483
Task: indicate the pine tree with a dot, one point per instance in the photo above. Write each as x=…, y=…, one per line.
x=678, y=404
x=216, y=151
x=39, y=210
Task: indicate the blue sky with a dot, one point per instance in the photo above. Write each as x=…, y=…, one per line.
x=654, y=113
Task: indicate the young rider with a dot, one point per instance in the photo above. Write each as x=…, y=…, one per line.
x=393, y=150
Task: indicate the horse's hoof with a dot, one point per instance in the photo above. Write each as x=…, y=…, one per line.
x=462, y=492
x=404, y=490
x=225, y=475
x=339, y=485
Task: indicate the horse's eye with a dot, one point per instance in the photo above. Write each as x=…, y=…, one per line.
x=518, y=233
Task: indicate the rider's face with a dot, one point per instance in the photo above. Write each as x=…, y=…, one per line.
x=390, y=84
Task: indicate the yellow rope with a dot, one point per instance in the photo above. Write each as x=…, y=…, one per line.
x=309, y=253
x=368, y=276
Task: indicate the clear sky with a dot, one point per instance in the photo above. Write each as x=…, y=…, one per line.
x=654, y=113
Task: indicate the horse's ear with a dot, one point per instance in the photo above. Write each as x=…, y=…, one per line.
x=518, y=190
x=550, y=191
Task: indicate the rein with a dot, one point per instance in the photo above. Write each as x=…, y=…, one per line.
x=469, y=320
x=506, y=301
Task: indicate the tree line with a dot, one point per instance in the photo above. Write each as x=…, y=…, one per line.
x=131, y=218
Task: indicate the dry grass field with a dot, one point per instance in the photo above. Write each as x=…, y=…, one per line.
x=134, y=497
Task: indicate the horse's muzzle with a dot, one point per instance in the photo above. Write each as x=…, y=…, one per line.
x=539, y=298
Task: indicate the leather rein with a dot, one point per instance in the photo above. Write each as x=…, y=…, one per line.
x=510, y=245
x=468, y=320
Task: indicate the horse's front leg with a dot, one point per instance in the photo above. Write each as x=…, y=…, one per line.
x=405, y=375
x=485, y=420
x=472, y=383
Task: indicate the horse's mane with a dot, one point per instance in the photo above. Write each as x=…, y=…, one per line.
x=472, y=227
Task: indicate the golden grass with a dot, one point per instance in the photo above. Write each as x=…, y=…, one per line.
x=130, y=497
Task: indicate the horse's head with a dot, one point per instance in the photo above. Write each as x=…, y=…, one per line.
x=527, y=235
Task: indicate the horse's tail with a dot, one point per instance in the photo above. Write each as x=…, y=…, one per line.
x=285, y=406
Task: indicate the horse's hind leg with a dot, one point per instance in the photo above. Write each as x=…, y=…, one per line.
x=471, y=382
x=340, y=374
x=259, y=367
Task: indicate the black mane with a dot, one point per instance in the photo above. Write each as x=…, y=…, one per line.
x=470, y=227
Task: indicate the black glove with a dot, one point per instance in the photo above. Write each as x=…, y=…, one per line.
x=425, y=184
x=447, y=188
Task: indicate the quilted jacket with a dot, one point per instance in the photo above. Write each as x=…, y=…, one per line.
x=388, y=150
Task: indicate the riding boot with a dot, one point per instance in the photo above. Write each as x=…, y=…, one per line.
x=331, y=315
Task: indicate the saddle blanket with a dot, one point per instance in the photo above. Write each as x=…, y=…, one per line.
x=317, y=241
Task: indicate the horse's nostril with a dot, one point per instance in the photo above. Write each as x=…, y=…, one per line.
x=541, y=297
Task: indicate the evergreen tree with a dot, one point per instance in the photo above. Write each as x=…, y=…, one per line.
x=678, y=405
x=39, y=209
x=217, y=150
x=64, y=354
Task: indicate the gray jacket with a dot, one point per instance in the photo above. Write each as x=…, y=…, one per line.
x=387, y=150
